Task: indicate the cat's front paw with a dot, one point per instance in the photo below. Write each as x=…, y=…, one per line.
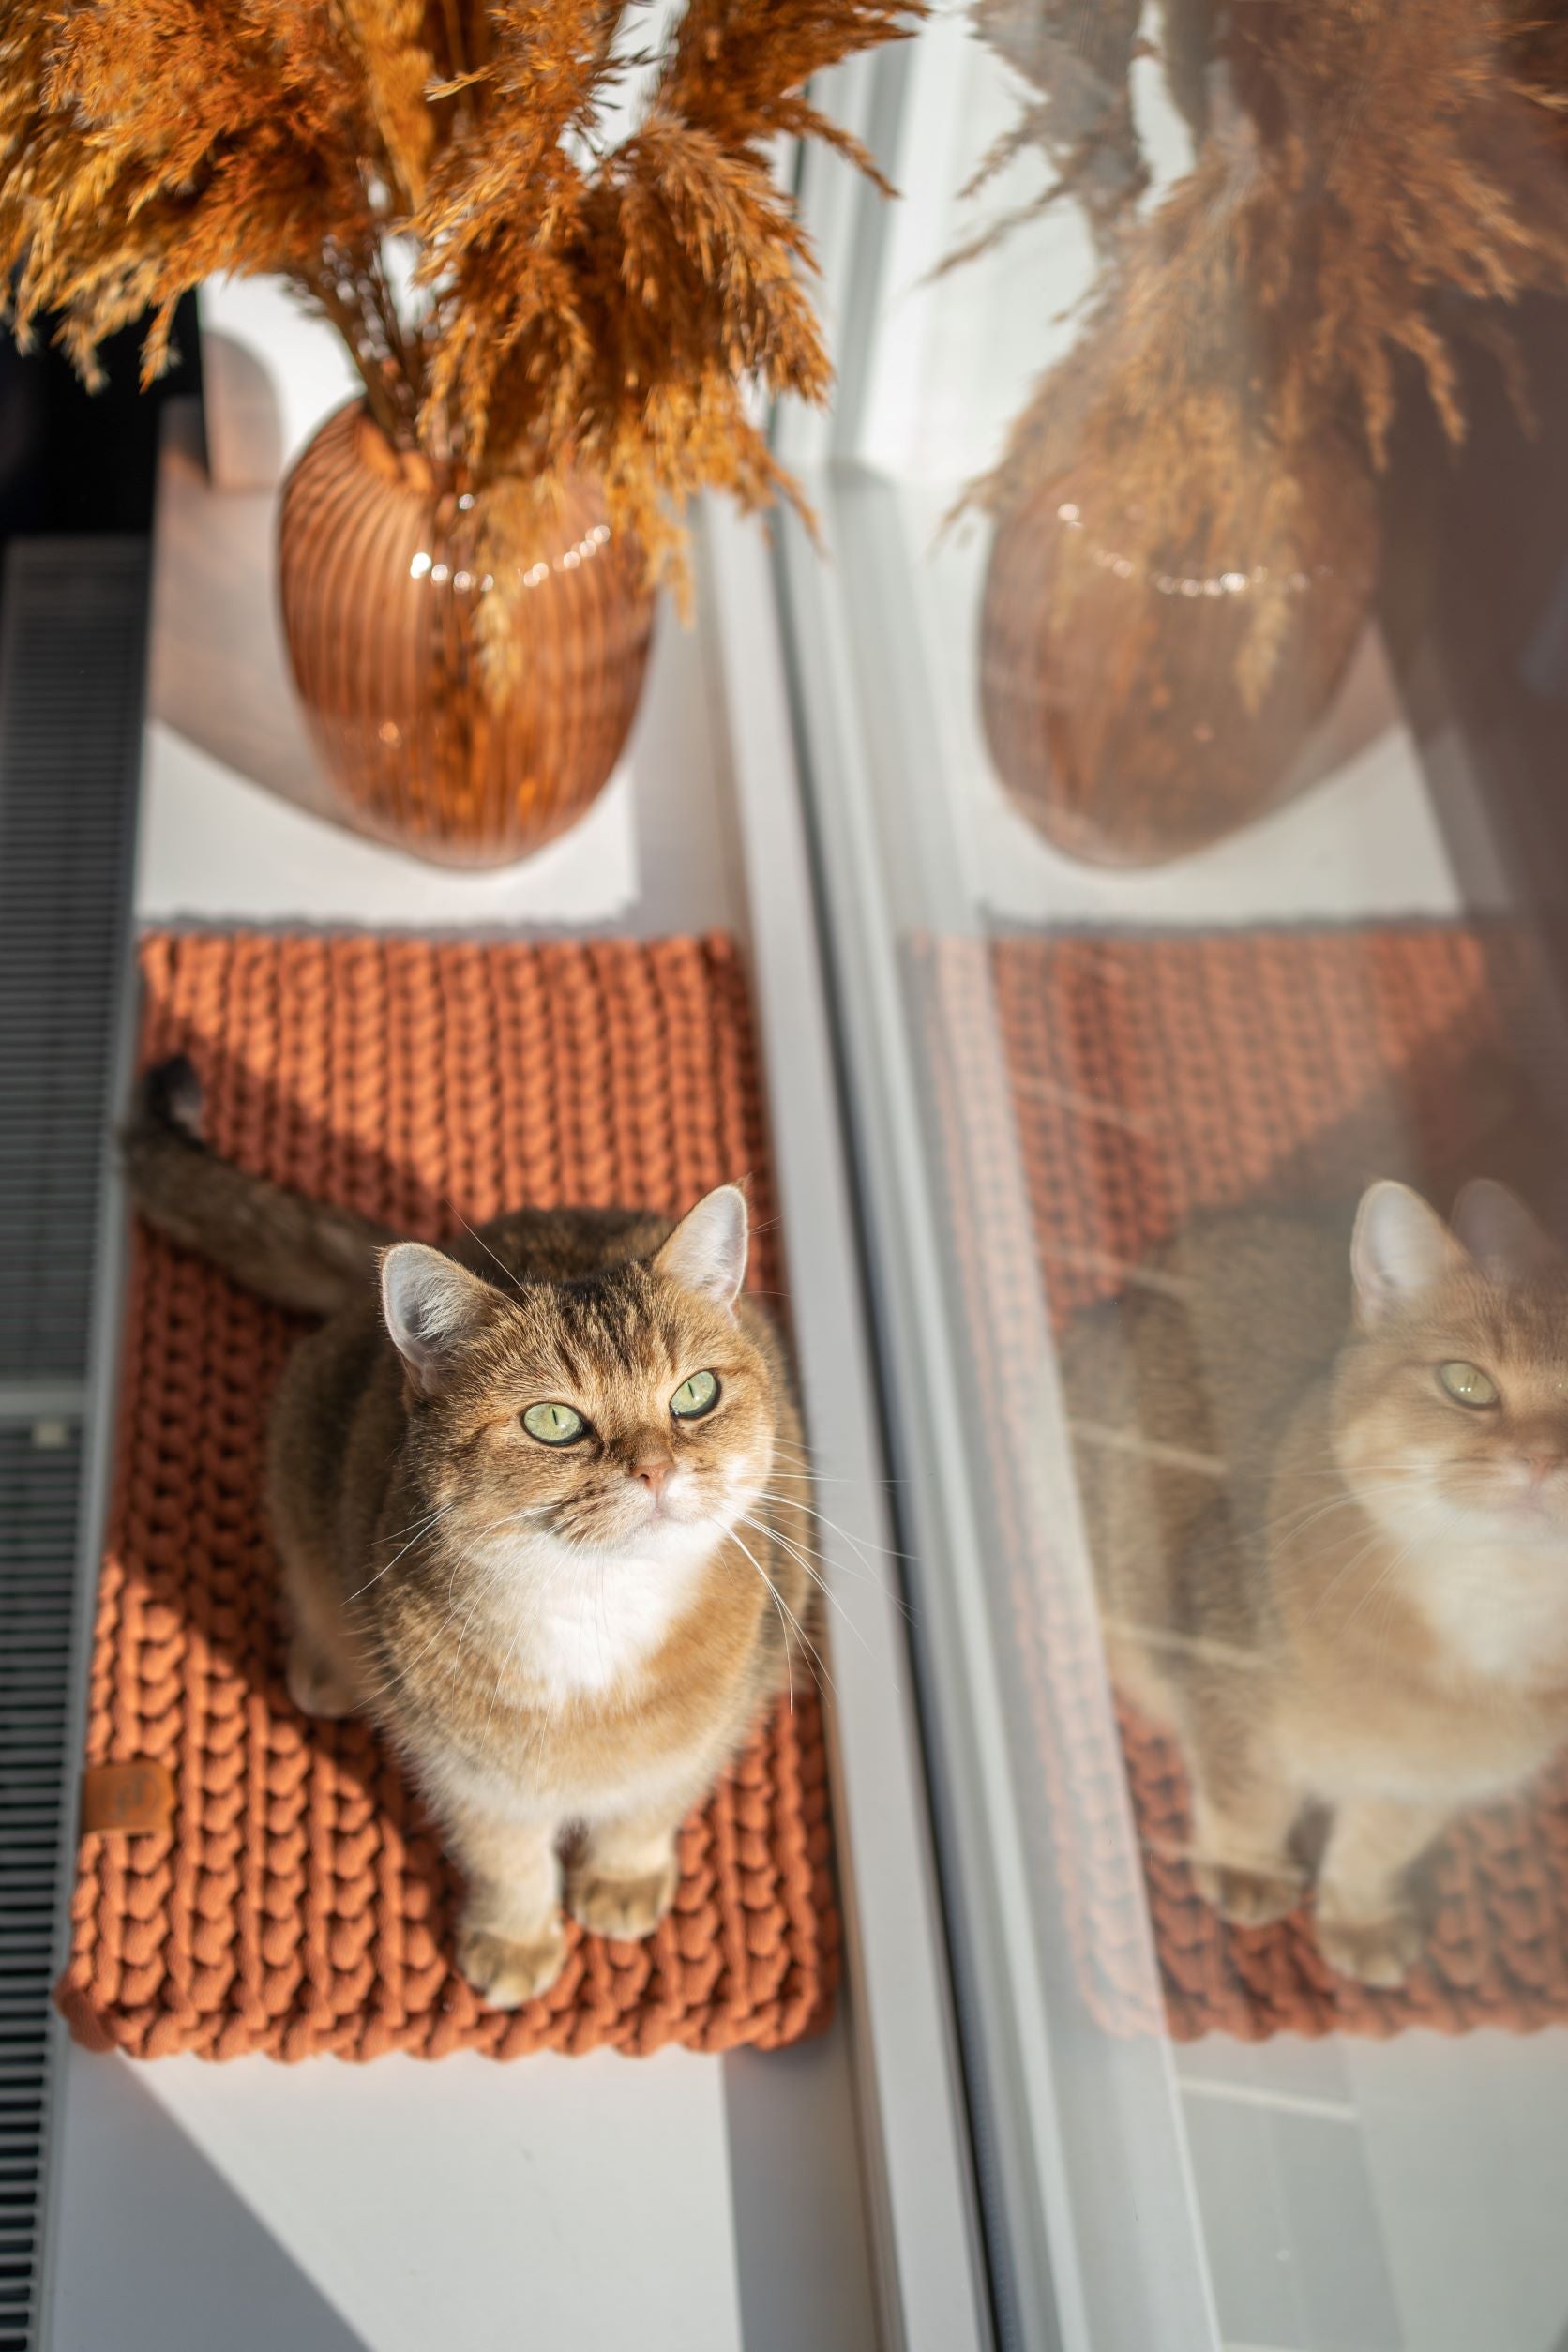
x=506, y=1972
x=1247, y=1897
x=625, y=1907
x=1378, y=1952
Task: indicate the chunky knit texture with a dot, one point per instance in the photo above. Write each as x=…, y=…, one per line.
x=301, y=1901
x=1133, y=1081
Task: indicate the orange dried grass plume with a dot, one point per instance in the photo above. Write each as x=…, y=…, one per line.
x=579, y=300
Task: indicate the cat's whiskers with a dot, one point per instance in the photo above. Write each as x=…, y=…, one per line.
x=779, y=1603
x=484, y=1246
x=488, y=1577
x=447, y=1619
x=418, y=1519
x=805, y=1553
x=860, y=1544
x=810, y=1478
x=399, y=1669
x=486, y=1536
x=801, y=1469
x=477, y=1604
x=808, y=1644
x=426, y=1528
x=800, y=1464
x=1336, y=1466
x=805, y=1466
x=866, y=1572
x=1380, y=1535
x=1383, y=1577
x=786, y=1452
x=832, y=1599
x=1347, y=1569
x=1291, y=1525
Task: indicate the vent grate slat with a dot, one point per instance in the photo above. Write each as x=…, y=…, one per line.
x=72, y=649
x=38, y=1501
x=69, y=729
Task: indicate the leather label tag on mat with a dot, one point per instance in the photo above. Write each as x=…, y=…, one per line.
x=133, y=1799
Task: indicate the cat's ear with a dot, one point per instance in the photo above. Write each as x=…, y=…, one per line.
x=1501, y=1233
x=1400, y=1248
x=706, y=1252
x=433, y=1308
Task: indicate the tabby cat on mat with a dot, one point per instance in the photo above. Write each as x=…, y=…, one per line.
x=518, y=1489
x=1327, y=1495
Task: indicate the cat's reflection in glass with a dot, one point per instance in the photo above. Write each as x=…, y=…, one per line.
x=1324, y=1469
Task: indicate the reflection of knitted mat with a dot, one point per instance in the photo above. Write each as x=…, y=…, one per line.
x=300, y=1902
x=1141, y=1079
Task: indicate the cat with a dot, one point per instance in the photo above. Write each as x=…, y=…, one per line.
x=534, y=1500
x=1326, y=1494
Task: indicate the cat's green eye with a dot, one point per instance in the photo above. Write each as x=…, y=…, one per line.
x=1468, y=1384
x=554, y=1425
x=695, y=1397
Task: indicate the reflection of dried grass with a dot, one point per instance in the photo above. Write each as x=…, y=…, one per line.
x=581, y=305
x=1374, y=182
x=1078, y=110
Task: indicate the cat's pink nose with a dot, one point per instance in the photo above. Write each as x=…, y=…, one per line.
x=654, y=1474
x=1541, y=1466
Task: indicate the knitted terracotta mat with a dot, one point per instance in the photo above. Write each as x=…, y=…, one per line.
x=1132, y=1082
x=300, y=1902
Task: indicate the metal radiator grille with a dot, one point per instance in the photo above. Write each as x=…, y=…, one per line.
x=72, y=648
x=39, y=1482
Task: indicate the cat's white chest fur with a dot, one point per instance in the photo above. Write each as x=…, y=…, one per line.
x=574, y=1623
x=1501, y=1609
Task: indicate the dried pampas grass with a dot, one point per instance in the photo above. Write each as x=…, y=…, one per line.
x=580, y=301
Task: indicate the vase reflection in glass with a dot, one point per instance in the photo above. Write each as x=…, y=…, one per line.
x=1143, y=698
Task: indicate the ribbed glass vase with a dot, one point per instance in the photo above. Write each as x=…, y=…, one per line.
x=1119, y=709
x=380, y=579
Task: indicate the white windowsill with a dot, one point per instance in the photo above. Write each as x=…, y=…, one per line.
x=681, y=2201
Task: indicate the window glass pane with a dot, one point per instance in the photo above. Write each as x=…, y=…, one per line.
x=1184, y=708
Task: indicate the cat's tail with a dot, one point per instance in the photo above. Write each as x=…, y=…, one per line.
x=291, y=1250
